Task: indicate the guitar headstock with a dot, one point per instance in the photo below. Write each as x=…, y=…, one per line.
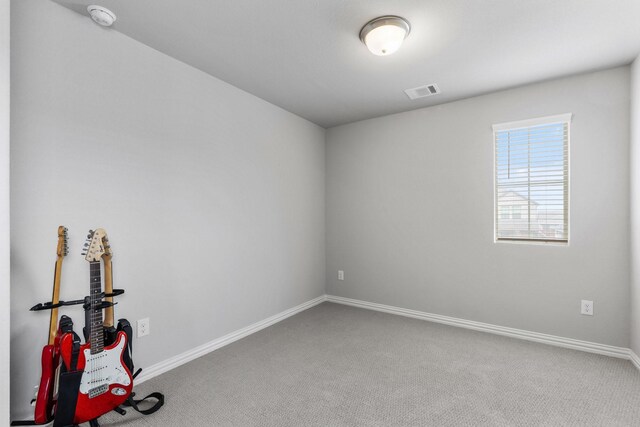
x=63, y=242
x=94, y=247
x=107, y=247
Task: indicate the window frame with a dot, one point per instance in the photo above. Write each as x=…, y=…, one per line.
x=522, y=124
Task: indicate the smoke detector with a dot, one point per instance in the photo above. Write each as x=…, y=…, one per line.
x=422, y=91
x=101, y=15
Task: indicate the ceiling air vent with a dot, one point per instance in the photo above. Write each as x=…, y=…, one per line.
x=422, y=91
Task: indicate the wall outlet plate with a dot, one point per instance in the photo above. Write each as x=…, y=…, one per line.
x=144, y=327
x=586, y=307
x=340, y=275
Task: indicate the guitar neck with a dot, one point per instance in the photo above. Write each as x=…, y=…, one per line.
x=96, y=327
x=55, y=298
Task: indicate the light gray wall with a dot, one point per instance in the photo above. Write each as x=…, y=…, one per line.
x=213, y=198
x=635, y=206
x=410, y=213
x=4, y=211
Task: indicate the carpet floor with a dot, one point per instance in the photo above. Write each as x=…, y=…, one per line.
x=334, y=365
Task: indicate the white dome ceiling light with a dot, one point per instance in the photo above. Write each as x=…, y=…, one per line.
x=101, y=15
x=384, y=35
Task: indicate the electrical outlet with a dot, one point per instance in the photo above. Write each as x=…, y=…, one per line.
x=144, y=327
x=340, y=275
x=586, y=307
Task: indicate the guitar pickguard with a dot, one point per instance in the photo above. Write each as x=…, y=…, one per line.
x=103, y=369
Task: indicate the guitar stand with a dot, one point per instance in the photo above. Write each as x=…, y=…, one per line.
x=50, y=305
x=86, y=305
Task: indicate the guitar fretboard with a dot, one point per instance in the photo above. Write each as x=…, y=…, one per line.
x=96, y=337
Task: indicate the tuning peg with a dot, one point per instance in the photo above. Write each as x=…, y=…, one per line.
x=86, y=245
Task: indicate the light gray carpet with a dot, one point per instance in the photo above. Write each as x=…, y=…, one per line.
x=334, y=365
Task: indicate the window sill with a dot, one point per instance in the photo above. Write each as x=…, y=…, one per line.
x=534, y=242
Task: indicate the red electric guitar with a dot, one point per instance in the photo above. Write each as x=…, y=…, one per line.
x=50, y=354
x=106, y=381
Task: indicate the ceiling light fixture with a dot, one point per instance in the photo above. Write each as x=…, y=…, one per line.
x=101, y=15
x=384, y=35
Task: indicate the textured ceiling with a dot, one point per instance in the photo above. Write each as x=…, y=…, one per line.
x=305, y=55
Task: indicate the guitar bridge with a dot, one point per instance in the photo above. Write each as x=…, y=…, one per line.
x=97, y=391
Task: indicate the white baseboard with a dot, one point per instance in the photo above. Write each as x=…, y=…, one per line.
x=634, y=359
x=187, y=356
x=591, y=347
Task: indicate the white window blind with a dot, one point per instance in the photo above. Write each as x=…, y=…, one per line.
x=532, y=179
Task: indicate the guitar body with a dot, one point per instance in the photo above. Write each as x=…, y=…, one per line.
x=106, y=382
x=44, y=401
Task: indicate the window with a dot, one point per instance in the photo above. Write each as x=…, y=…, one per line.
x=532, y=180
x=505, y=212
x=516, y=212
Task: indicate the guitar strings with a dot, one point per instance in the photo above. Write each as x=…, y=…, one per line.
x=91, y=332
x=93, y=328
